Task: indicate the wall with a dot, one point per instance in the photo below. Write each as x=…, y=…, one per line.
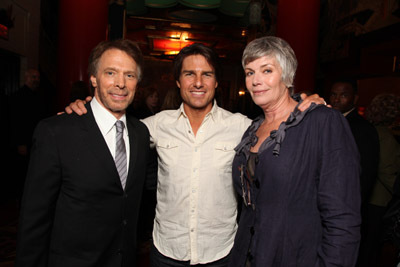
x=24, y=36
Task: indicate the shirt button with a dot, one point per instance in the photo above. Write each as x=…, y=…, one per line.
x=192, y=230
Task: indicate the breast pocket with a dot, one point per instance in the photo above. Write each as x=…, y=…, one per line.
x=168, y=152
x=223, y=155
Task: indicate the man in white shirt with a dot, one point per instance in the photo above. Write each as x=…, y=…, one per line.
x=196, y=210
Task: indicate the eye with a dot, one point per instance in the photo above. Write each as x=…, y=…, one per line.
x=130, y=76
x=267, y=71
x=110, y=73
x=249, y=73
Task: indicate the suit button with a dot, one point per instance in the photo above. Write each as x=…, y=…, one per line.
x=257, y=183
x=252, y=231
x=125, y=195
x=119, y=251
x=124, y=222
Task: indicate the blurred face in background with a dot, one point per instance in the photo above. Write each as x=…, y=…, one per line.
x=342, y=97
x=152, y=100
x=32, y=79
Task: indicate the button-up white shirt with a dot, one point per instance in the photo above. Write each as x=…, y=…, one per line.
x=196, y=204
x=106, y=122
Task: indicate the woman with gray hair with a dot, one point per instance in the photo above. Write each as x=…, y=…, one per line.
x=297, y=172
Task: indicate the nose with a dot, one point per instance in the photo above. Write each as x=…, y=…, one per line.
x=335, y=99
x=119, y=81
x=198, y=82
x=256, y=79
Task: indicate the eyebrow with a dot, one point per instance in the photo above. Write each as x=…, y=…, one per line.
x=203, y=72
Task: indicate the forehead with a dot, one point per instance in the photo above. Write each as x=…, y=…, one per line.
x=115, y=56
x=196, y=62
x=341, y=87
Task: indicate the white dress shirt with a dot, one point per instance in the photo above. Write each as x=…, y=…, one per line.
x=106, y=122
x=196, y=203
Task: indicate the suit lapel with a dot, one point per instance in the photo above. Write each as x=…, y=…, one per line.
x=95, y=142
x=133, y=138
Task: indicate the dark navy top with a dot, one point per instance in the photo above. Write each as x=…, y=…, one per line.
x=305, y=194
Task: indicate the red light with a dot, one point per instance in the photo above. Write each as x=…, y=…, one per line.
x=169, y=45
x=3, y=31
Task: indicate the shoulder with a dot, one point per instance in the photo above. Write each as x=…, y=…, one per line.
x=355, y=118
x=227, y=117
x=322, y=114
x=162, y=117
x=137, y=124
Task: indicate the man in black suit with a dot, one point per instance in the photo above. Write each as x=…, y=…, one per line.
x=79, y=208
x=344, y=97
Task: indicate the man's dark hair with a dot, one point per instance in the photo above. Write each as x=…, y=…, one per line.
x=351, y=81
x=128, y=46
x=197, y=49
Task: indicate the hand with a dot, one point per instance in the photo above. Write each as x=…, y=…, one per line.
x=78, y=106
x=307, y=100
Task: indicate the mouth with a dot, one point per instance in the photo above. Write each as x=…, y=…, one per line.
x=118, y=97
x=259, y=92
x=198, y=93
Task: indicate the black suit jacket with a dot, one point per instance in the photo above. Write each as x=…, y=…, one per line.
x=367, y=140
x=74, y=209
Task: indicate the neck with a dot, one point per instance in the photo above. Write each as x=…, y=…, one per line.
x=280, y=110
x=196, y=116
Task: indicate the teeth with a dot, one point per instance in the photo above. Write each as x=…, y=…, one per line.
x=198, y=93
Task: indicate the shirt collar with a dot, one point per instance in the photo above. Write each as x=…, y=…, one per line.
x=104, y=119
x=348, y=112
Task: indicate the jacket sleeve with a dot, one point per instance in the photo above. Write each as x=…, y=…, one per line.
x=339, y=197
x=39, y=200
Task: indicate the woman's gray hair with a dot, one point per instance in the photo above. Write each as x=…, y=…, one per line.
x=276, y=47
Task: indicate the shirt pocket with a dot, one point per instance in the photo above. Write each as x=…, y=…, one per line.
x=168, y=151
x=223, y=155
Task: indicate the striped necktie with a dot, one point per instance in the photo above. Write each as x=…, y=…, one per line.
x=120, y=153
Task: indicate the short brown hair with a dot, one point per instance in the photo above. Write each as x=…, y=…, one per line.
x=197, y=49
x=128, y=46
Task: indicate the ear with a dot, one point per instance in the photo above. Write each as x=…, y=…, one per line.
x=93, y=81
x=178, y=84
x=216, y=85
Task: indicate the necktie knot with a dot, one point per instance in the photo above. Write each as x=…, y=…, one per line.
x=120, y=126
